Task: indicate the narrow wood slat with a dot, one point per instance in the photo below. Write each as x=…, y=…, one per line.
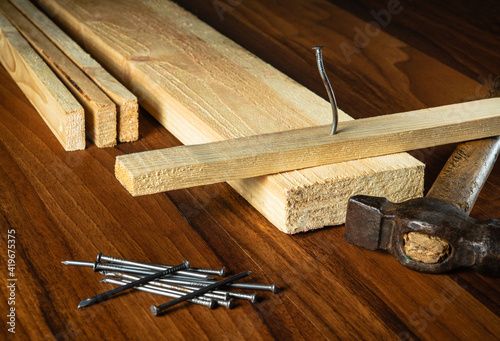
x=55, y=104
x=189, y=166
x=126, y=102
x=100, y=111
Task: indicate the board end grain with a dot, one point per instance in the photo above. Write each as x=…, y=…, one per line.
x=124, y=175
x=128, y=121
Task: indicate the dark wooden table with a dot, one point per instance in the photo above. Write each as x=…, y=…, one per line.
x=68, y=205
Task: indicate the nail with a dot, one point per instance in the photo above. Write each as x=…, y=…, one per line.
x=188, y=285
x=266, y=287
x=212, y=295
x=156, y=310
x=176, y=294
x=229, y=304
x=110, y=267
x=106, y=295
x=113, y=271
x=207, y=303
x=141, y=271
x=252, y=286
x=101, y=257
x=218, y=272
x=78, y=263
x=89, y=264
x=329, y=90
x=249, y=297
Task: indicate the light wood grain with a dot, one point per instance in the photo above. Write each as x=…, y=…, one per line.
x=203, y=88
x=126, y=102
x=234, y=159
x=100, y=111
x=58, y=108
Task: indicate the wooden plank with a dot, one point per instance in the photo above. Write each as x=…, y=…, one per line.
x=234, y=159
x=58, y=108
x=126, y=102
x=100, y=111
x=203, y=88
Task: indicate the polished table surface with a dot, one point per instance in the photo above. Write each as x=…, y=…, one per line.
x=68, y=205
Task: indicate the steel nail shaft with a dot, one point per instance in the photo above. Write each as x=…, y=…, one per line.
x=138, y=271
x=328, y=86
x=108, y=294
x=176, y=294
x=176, y=287
x=78, y=263
x=252, y=286
x=101, y=257
x=189, y=285
x=207, y=303
x=155, y=310
x=219, y=272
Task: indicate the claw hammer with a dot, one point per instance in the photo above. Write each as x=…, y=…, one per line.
x=435, y=234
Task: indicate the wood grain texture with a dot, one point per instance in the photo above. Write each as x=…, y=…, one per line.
x=126, y=102
x=56, y=105
x=70, y=206
x=195, y=165
x=203, y=87
x=100, y=112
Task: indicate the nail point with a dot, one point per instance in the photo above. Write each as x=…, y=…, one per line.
x=86, y=302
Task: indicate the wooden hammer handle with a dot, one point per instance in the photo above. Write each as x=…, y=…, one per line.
x=465, y=172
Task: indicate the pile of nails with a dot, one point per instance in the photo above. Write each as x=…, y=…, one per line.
x=181, y=282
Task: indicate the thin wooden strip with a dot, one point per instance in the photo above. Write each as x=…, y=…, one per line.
x=202, y=164
x=100, y=111
x=59, y=109
x=203, y=87
x=126, y=102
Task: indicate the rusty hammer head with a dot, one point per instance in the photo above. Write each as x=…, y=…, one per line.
x=424, y=234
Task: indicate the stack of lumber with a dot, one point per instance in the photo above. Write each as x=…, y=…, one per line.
x=203, y=88
x=59, y=109
x=92, y=89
